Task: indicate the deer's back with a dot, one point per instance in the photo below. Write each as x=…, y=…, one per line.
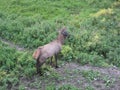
x=50, y=49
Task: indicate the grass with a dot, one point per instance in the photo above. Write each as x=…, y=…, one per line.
x=12, y=64
x=44, y=8
x=93, y=25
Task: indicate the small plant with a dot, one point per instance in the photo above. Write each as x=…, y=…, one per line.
x=67, y=52
x=108, y=81
x=21, y=87
x=90, y=75
x=51, y=87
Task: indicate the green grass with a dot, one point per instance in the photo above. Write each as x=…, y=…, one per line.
x=93, y=25
x=52, y=9
x=14, y=64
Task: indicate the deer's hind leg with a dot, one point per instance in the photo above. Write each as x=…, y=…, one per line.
x=39, y=63
x=37, y=66
x=51, y=60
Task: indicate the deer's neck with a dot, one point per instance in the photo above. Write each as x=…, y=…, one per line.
x=60, y=39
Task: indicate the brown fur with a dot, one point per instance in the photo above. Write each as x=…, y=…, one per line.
x=36, y=53
x=50, y=49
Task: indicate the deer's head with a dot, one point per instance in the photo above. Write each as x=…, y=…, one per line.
x=64, y=32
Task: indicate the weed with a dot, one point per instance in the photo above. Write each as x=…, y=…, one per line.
x=90, y=75
x=108, y=81
x=21, y=87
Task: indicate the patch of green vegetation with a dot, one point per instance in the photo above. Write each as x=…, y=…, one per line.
x=21, y=87
x=14, y=64
x=108, y=81
x=93, y=26
x=90, y=75
x=44, y=9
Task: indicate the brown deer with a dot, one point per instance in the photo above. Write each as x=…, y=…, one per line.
x=50, y=49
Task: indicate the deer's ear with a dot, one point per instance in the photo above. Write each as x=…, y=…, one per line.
x=63, y=29
x=59, y=31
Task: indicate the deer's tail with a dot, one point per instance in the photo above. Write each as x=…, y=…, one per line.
x=37, y=53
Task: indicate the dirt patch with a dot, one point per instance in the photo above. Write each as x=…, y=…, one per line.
x=76, y=75
x=111, y=71
x=109, y=78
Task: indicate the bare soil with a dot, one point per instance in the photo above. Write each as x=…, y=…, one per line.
x=71, y=74
x=112, y=73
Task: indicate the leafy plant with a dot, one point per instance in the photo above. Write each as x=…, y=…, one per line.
x=90, y=75
x=67, y=52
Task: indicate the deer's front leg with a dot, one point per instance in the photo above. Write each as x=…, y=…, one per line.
x=56, y=66
x=51, y=60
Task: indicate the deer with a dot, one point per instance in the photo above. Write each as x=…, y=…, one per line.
x=49, y=50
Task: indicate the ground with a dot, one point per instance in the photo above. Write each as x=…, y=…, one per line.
x=71, y=74
x=83, y=77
